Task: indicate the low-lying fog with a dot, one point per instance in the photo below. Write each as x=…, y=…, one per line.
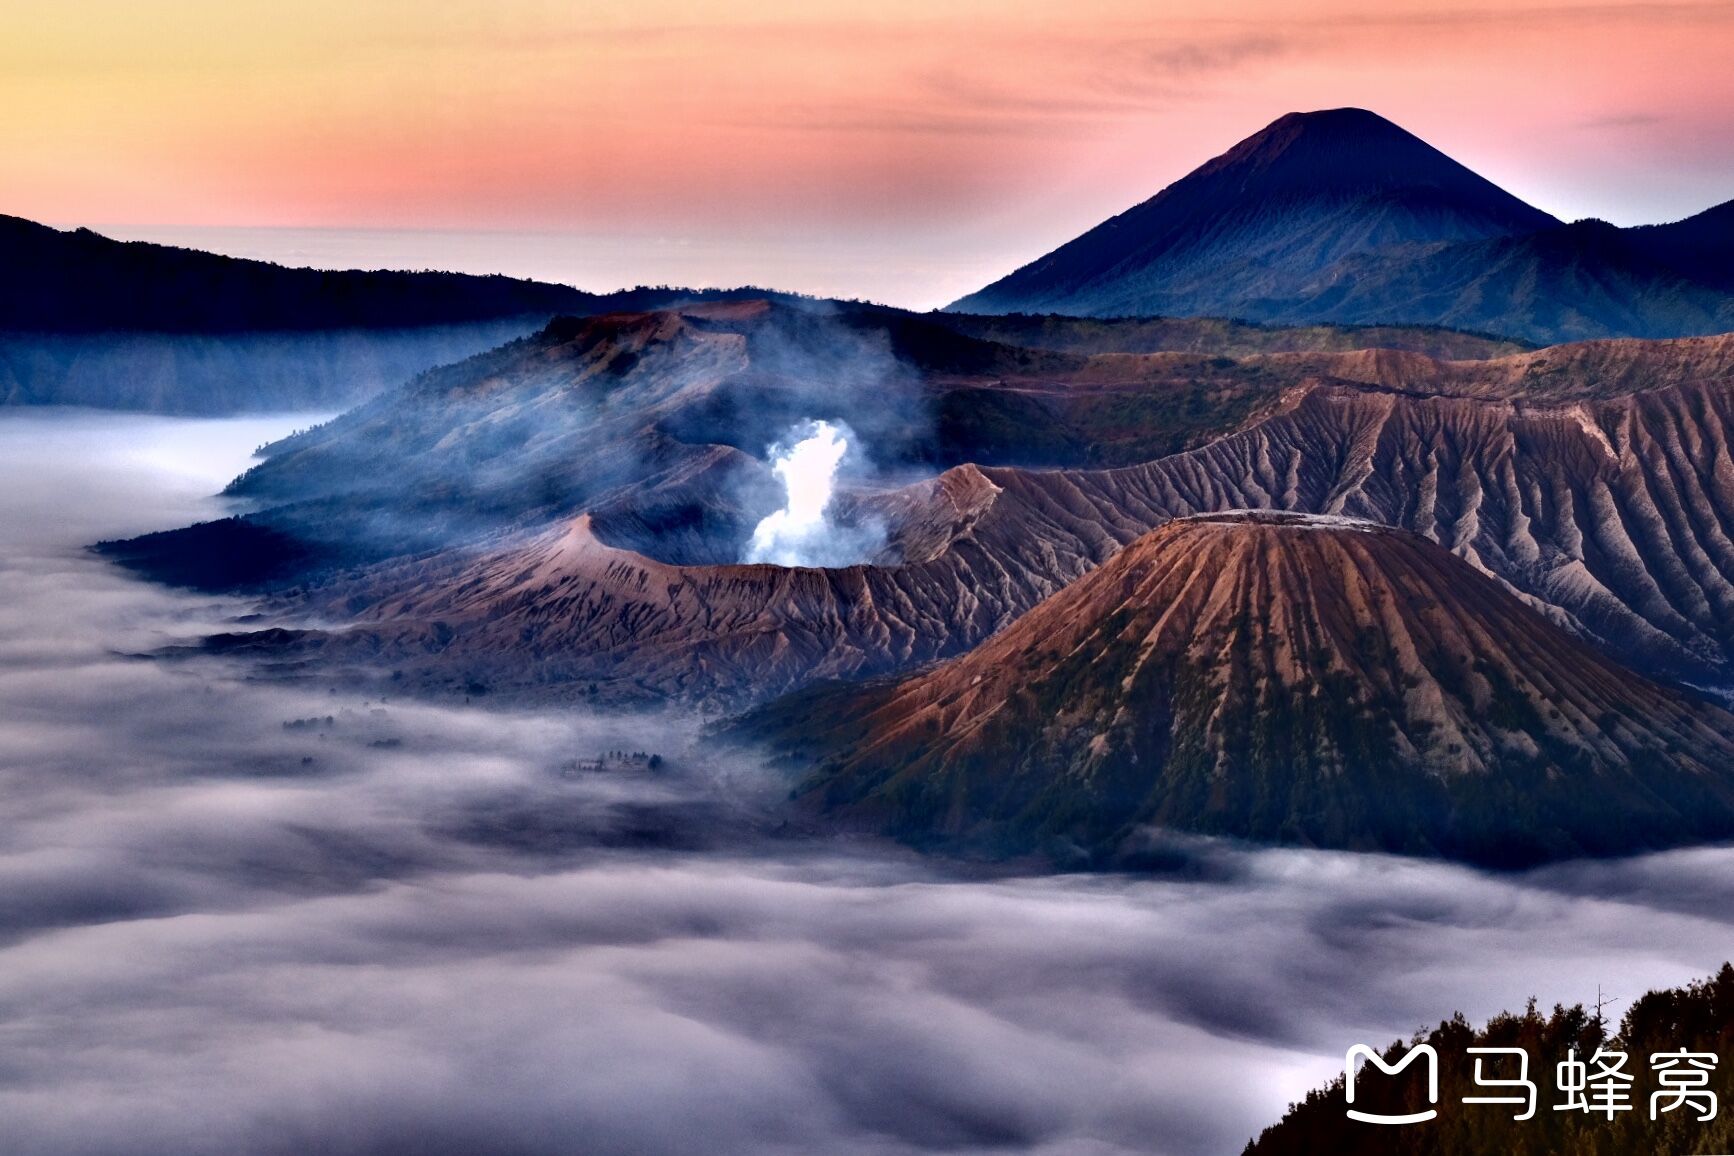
x=420, y=929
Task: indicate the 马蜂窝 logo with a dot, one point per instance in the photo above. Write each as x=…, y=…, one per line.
x=1419, y=1051
x=1600, y=1085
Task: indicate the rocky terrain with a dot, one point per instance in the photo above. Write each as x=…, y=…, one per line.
x=566, y=518
x=1341, y=216
x=480, y=523
x=657, y=423
x=1276, y=677
x=1609, y=514
x=1221, y=337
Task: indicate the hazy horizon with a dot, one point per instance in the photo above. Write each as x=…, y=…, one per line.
x=843, y=267
x=603, y=264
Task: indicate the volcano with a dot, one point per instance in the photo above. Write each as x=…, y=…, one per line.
x=1341, y=216
x=1263, y=219
x=1275, y=677
x=571, y=511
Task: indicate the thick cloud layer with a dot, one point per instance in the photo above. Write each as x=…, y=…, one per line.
x=421, y=929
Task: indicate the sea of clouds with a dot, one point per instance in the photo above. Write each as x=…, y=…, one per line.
x=417, y=930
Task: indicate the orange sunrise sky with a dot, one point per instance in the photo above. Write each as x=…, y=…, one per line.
x=903, y=151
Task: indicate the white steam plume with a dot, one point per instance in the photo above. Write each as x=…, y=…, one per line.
x=802, y=532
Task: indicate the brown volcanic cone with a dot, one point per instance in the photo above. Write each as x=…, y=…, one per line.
x=1282, y=678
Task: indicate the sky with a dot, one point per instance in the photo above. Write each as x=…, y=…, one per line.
x=904, y=150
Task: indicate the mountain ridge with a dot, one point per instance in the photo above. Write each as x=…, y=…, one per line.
x=1590, y=479
x=88, y=320
x=1272, y=193
x=1280, y=678
x=1340, y=216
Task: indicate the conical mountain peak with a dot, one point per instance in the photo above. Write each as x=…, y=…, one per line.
x=1268, y=221
x=1278, y=677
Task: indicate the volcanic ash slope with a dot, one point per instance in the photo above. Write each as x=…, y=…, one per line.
x=1275, y=677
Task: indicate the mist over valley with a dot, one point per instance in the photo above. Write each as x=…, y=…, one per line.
x=250, y=916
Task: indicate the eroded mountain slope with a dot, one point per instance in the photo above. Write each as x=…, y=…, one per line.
x=1276, y=677
x=563, y=613
x=1607, y=517
x=659, y=421
x=1613, y=514
x=1593, y=480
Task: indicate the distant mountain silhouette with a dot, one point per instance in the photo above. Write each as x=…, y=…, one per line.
x=80, y=282
x=1262, y=219
x=87, y=320
x=1701, y=246
x=1341, y=216
x=1574, y=282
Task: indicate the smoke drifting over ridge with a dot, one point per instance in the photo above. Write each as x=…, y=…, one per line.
x=431, y=939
